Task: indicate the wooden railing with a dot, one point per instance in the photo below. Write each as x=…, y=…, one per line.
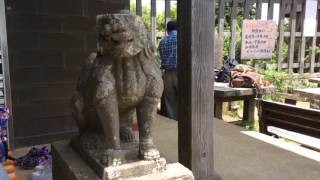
x=301, y=55
x=292, y=10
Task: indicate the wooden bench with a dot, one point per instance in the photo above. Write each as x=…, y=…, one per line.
x=301, y=125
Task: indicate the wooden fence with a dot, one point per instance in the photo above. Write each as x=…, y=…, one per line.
x=294, y=51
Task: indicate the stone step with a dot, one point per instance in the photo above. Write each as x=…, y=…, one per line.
x=135, y=169
x=173, y=171
x=68, y=165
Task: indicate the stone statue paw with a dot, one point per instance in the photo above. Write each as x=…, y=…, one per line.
x=112, y=157
x=127, y=135
x=150, y=154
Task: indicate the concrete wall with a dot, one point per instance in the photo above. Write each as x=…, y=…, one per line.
x=48, y=41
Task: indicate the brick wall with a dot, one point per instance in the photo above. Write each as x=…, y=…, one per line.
x=48, y=42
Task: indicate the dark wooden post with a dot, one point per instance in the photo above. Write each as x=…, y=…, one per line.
x=314, y=44
x=153, y=21
x=270, y=9
x=258, y=9
x=167, y=11
x=293, y=24
x=303, y=40
x=233, y=29
x=281, y=28
x=195, y=74
x=139, y=7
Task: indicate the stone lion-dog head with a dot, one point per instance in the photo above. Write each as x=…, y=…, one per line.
x=122, y=34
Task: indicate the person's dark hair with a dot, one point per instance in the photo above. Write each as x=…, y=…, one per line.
x=172, y=25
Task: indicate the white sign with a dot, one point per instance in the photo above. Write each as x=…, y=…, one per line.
x=310, y=21
x=258, y=39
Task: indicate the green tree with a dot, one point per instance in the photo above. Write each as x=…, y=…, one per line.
x=160, y=18
x=145, y=15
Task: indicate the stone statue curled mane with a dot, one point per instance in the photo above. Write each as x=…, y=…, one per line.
x=117, y=38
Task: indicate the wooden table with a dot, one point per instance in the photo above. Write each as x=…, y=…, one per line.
x=315, y=80
x=224, y=93
x=310, y=94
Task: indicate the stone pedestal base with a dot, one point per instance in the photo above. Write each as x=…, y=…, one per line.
x=67, y=164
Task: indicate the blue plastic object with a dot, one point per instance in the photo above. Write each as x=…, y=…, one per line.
x=4, y=117
x=3, y=174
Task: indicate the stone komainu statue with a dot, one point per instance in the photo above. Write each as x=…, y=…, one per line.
x=121, y=78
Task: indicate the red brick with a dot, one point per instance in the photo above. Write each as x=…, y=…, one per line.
x=62, y=40
x=95, y=7
x=79, y=24
x=18, y=6
x=34, y=23
x=39, y=58
x=91, y=41
x=25, y=76
x=45, y=93
x=76, y=59
x=22, y=40
x=60, y=75
x=60, y=7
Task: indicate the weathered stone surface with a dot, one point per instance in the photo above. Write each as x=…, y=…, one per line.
x=92, y=149
x=122, y=78
x=177, y=171
x=135, y=169
x=67, y=165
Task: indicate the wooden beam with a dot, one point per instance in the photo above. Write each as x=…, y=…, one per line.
x=153, y=21
x=281, y=33
x=6, y=72
x=139, y=7
x=293, y=23
x=258, y=9
x=195, y=74
x=167, y=11
x=314, y=44
x=221, y=19
x=258, y=17
x=233, y=29
x=303, y=39
x=270, y=9
x=246, y=9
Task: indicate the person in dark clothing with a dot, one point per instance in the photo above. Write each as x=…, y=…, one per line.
x=168, y=55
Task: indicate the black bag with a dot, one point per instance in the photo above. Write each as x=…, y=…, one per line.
x=225, y=73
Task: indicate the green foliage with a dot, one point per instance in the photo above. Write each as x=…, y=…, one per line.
x=284, y=82
x=278, y=79
x=161, y=20
x=145, y=15
x=174, y=13
x=160, y=17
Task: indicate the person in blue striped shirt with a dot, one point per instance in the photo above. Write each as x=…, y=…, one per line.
x=168, y=54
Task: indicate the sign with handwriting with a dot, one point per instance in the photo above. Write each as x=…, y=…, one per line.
x=258, y=39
